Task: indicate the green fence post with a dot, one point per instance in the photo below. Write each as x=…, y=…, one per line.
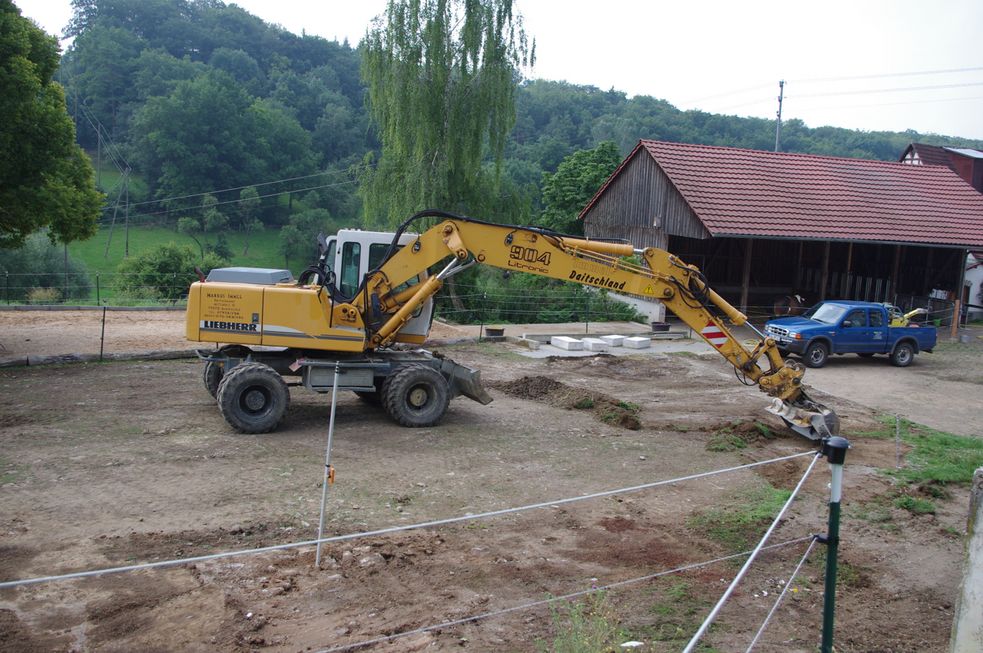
x=835, y=451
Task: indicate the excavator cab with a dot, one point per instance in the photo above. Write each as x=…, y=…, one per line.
x=352, y=253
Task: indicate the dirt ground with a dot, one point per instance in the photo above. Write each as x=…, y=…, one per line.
x=111, y=464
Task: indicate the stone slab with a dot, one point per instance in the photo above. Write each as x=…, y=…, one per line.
x=568, y=344
x=637, y=342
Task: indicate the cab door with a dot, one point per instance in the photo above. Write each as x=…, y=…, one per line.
x=855, y=333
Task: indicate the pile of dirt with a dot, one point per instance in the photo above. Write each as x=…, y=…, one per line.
x=555, y=393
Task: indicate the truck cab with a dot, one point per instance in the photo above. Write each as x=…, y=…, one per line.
x=849, y=327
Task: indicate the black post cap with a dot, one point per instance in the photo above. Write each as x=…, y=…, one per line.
x=835, y=449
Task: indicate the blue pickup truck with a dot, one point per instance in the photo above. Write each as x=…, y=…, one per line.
x=848, y=327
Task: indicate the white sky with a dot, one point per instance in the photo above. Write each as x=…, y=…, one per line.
x=727, y=56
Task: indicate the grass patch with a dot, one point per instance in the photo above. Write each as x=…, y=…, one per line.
x=263, y=247
x=726, y=441
x=914, y=505
x=738, y=435
x=741, y=522
x=936, y=457
x=677, y=613
x=588, y=626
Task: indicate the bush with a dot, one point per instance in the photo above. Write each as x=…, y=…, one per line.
x=163, y=273
x=43, y=296
x=39, y=266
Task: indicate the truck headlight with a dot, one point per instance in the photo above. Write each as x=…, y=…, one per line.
x=794, y=335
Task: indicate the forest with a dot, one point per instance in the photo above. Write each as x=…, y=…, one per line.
x=204, y=119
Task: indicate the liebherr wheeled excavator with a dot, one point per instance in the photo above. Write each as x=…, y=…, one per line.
x=365, y=308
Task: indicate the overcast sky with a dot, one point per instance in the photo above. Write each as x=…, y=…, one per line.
x=861, y=64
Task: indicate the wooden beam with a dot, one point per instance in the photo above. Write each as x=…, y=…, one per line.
x=746, y=281
x=895, y=270
x=797, y=287
x=846, y=276
x=825, y=273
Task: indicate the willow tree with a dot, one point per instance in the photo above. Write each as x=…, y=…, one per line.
x=441, y=77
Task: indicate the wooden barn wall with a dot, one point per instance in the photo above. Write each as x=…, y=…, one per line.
x=642, y=206
x=776, y=271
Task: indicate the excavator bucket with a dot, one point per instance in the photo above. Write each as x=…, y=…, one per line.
x=807, y=418
x=464, y=381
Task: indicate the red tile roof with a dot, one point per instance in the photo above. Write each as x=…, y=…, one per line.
x=737, y=192
x=929, y=155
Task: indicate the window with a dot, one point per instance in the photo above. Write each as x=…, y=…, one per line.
x=377, y=252
x=351, y=254
x=876, y=318
x=856, y=318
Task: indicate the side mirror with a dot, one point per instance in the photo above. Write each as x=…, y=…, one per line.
x=847, y=324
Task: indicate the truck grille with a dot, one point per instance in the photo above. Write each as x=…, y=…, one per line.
x=776, y=331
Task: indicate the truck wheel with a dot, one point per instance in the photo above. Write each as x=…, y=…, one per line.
x=816, y=355
x=902, y=355
x=212, y=377
x=415, y=396
x=253, y=398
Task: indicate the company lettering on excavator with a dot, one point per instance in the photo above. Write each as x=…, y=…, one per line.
x=366, y=306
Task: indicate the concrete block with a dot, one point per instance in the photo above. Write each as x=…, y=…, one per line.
x=595, y=344
x=614, y=341
x=570, y=344
x=638, y=342
x=565, y=342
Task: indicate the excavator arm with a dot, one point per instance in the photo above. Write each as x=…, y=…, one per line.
x=388, y=303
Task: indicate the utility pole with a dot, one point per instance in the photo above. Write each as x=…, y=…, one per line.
x=778, y=127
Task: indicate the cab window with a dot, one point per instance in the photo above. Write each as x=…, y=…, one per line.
x=856, y=318
x=377, y=253
x=331, y=254
x=876, y=319
x=351, y=254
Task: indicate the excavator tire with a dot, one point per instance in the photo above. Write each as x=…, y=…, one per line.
x=212, y=377
x=415, y=395
x=253, y=398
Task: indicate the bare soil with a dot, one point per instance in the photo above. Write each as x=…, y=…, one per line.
x=119, y=463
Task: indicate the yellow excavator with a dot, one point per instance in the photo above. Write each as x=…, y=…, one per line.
x=365, y=308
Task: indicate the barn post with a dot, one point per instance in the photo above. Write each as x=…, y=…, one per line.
x=798, y=269
x=746, y=279
x=846, y=276
x=825, y=274
x=895, y=269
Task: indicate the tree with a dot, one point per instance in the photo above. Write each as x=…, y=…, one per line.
x=45, y=179
x=578, y=177
x=297, y=239
x=163, y=273
x=441, y=78
x=249, y=205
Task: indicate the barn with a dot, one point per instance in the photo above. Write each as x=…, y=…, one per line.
x=766, y=225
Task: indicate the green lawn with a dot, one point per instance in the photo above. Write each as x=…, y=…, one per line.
x=263, y=247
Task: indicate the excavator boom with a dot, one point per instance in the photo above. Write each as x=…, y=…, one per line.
x=600, y=264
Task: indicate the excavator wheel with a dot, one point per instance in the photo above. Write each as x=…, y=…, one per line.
x=253, y=398
x=212, y=377
x=416, y=396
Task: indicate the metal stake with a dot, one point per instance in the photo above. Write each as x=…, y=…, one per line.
x=102, y=336
x=328, y=472
x=835, y=451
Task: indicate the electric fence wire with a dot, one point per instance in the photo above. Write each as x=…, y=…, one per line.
x=747, y=565
x=553, y=599
x=394, y=529
x=788, y=584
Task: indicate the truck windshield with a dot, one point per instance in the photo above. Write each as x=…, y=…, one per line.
x=828, y=313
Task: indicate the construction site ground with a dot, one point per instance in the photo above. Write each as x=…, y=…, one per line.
x=125, y=462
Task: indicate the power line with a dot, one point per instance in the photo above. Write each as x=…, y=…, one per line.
x=907, y=102
x=884, y=75
x=225, y=190
x=898, y=89
x=236, y=201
